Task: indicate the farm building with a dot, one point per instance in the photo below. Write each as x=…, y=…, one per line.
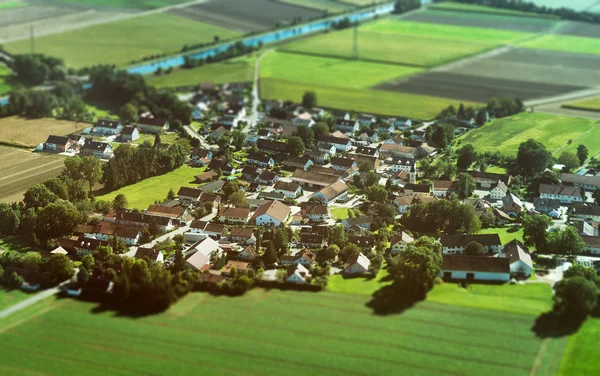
x=129, y=134
x=564, y=193
x=455, y=244
x=519, y=257
x=589, y=183
x=333, y=192
x=234, y=215
x=271, y=213
x=100, y=150
x=475, y=268
x=108, y=127
x=152, y=125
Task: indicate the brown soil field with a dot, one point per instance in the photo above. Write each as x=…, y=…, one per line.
x=21, y=169
x=23, y=132
x=523, y=24
x=475, y=89
x=247, y=15
x=581, y=29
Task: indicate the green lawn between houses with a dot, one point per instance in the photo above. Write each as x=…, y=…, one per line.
x=506, y=134
x=144, y=193
x=123, y=41
x=505, y=235
x=271, y=332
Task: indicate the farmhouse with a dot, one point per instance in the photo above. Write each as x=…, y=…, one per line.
x=499, y=191
x=333, y=192
x=212, y=230
x=512, y=204
x=368, y=135
x=234, y=215
x=320, y=156
x=455, y=244
x=271, y=213
x=176, y=213
x=339, y=143
x=242, y=235
x=57, y=143
x=367, y=151
x=164, y=224
x=109, y=127
x=417, y=189
x=475, y=268
x=444, y=188
x=564, y=193
x=519, y=258
x=589, y=183
x=313, y=179
x=488, y=179
x=188, y=195
x=152, y=125
x=359, y=264
x=346, y=126
x=206, y=177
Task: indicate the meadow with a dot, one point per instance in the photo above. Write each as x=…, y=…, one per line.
x=323, y=5
x=565, y=43
x=580, y=353
x=273, y=332
x=587, y=104
x=234, y=70
x=11, y=297
x=404, y=42
x=122, y=42
x=505, y=135
x=461, y=7
x=30, y=133
x=146, y=192
x=504, y=233
x=12, y=4
x=133, y=4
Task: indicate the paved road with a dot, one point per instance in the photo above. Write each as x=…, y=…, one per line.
x=252, y=117
x=178, y=231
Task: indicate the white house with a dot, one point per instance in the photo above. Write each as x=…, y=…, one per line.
x=566, y=194
x=400, y=242
x=304, y=257
x=357, y=265
x=342, y=164
x=499, y=191
x=260, y=159
x=290, y=190
x=297, y=273
x=109, y=127
x=475, y=268
x=456, y=244
x=346, y=126
x=335, y=191
x=129, y=134
x=271, y=213
x=519, y=258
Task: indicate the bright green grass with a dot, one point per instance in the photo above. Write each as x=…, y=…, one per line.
x=350, y=74
x=324, y=5
x=362, y=100
x=133, y=4
x=123, y=41
x=505, y=135
x=587, y=104
x=144, y=193
x=164, y=138
x=591, y=141
x=565, y=43
x=4, y=76
x=580, y=356
x=260, y=333
x=361, y=286
x=505, y=235
x=496, y=170
x=478, y=9
x=339, y=213
x=12, y=297
x=235, y=70
x=405, y=42
x=12, y=4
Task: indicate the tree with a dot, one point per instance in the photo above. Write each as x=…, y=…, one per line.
x=38, y=196
x=582, y=153
x=466, y=185
x=320, y=129
x=306, y=134
x=179, y=240
x=350, y=252
x=224, y=142
x=565, y=242
x=574, y=299
x=238, y=200
x=338, y=236
x=60, y=267
x=171, y=194
x=295, y=145
x=31, y=261
x=87, y=261
x=129, y=113
x=309, y=100
x=532, y=157
x=120, y=202
x=481, y=118
x=466, y=156
x=371, y=179
x=12, y=280
x=10, y=219
x=59, y=187
x=568, y=159
x=83, y=276
x=56, y=220
x=579, y=270
x=328, y=254
x=474, y=249
x=238, y=139
x=534, y=231
x=229, y=188
x=91, y=169
x=377, y=193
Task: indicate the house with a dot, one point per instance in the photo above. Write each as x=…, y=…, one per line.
x=57, y=143
x=86, y=246
x=304, y=257
x=249, y=253
x=342, y=164
x=268, y=178
x=418, y=134
x=512, y=204
x=335, y=191
x=302, y=120
x=312, y=179
x=400, y=242
x=214, y=231
x=487, y=180
x=290, y=190
x=566, y=194
x=328, y=149
x=188, y=195
x=108, y=127
x=297, y=274
x=425, y=150
x=207, y=246
x=152, y=125
x=314, y=212
x=272, y=147
x=591, y=244
x=346, y=126
x=129, y=134
x=218, y=132
x=151, y=253
x=367, y=151
x=363, y=222
x=444, y=188
x=271, y=196
x=368, y=135
x=309, y=240
x=404, y=202
x=234, y=215
x=456, y=244
x=206, y=177
x=200, y=157
x=364, y=243
x=223, y=165
x=359, y=264
x=546, y=205
x=475, y=268
x=100, y=150
x=260, y=159
x=590, y=213
x=242, y=235
x=271, y=213
x=212, y=187
x=292, y=163
x=339, y=143
x=519, y=259
x=588, y=183
x=417, y=189
x=251, y=173
x=389, y=150
x=499, y=191
x=366, y=120
x=320, y=156
x=164, y=224
x=395, y=139
x=178, y=214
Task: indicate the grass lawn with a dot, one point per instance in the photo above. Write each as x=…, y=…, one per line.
x=496, y=170
x=587, y=104
x=361, y=286
x=406, y=42
x=144, y=193
x=580, y=356
x=324, y=5
x=12, y=4
x=235, y=70
x=204, y=332
x=11, y=297
x=591, y=141
x=102, y=110
x=4, y=76
x=133, y=4
x=360, y=100
x=505, y=135
x=503, y=232
x=565, y=43
x=339, y=213
x=123, y=41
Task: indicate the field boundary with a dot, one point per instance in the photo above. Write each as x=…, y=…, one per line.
x=581, y=108
x=492, y=13
x=348, y=58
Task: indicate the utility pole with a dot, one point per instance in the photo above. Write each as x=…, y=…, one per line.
x=31, y=43
x=355, y=47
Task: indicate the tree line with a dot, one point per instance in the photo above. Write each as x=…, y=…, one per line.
x=52, y=270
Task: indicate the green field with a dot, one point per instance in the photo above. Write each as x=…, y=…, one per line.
x=496, y=170
x=479, y=9
x=235, y=70
x=405, y=42
x=361, y=286
x=580, y=357
x=505, y=235
x=587, y=104
x=324, y=5
x=12, y=4
x=591, y=141
x=133, y=4
x=4, y=76
x=573, y=4
x=123, y=41
x=144, y=193
x=11, y=297
x=268, y=332
x=565, y=43
x=505, y=135
x=339, y=213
